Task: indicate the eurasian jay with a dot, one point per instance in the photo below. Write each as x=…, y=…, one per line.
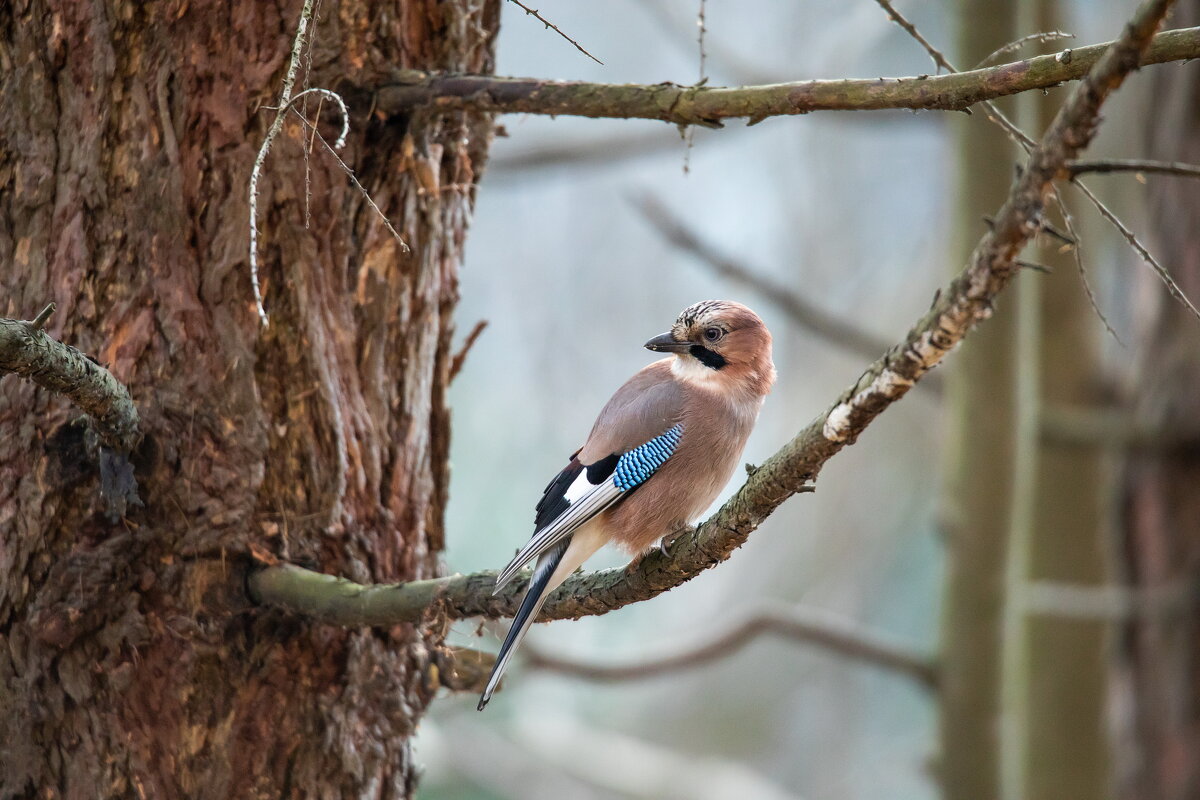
x=659, y=453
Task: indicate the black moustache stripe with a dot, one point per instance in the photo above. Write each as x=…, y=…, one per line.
x=708, y=358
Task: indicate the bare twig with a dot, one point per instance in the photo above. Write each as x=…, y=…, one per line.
x=708, y=105
x=1135, y=165
x=461, y=669
x=39, y=322
x=800, y=625
x=1115, y=429
x=1013, y=46
x=1147, y=256
x=533, y=12
x=1077, y=256
x=939, y=59
x=362, y=190
x=960, y=306
x=994, y=114
x=285, y=96
x=1021, y=139
x=600, y=151
x=460, y=358
x=1110, y=603
x=800, y=309
x=337, y=99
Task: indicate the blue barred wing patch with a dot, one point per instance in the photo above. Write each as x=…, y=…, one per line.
x=636, y=466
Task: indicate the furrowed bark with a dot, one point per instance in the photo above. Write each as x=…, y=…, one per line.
x=126, y=145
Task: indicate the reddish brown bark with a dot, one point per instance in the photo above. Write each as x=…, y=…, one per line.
x=1160, y=650
x=126, y=143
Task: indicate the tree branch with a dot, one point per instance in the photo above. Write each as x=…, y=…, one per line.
x=958, y=308
x=26, y=350
x=704, y=105
x=460, y=358
x=796, y=624
x=533, y=12
x=800, y=309
x=939, y=60
x=1135, y=165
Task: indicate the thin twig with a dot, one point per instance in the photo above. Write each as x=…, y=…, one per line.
x=342, y=110
x=800, y=309
x=1136, y=165
x=939, y=59
x=404, y=248
x=39, y=322
x=1147, y=256
x=1013, y=46
x=1025, y=142
x=460, y=358
x=533, y=12
x=1116, y=429
x=276, y=125
x=994, y=114
x=1077, y=256
x=796, y=624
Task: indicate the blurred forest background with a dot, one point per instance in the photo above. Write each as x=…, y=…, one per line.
x=1026, y=520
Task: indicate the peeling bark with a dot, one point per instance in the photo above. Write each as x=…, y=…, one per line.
x=127, y=140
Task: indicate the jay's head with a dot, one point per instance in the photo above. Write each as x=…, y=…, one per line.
x=722, y=342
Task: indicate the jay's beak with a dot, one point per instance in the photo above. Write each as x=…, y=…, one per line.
x=666, y=343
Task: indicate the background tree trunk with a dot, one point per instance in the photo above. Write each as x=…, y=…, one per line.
x=1160, y=539
x=979, y=464
x=1055, y=742
x=128, y=136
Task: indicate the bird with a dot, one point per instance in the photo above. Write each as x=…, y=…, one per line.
x=659, y=453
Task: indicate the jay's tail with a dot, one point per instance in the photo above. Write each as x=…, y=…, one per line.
x=539, y=587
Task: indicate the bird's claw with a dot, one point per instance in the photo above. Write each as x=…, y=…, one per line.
x=664, y=544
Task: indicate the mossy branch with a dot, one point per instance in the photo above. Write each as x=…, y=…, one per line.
x=27, y=350
x=709, y=105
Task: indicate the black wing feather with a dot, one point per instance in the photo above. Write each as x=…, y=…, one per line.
x=554, y=498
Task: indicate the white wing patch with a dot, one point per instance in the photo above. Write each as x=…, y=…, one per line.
x=578, y=488
x=589, y=503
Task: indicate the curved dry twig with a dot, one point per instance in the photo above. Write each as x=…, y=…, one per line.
x=285, y=97
x=797, y=624
x=957, y=309
x=1017, y=44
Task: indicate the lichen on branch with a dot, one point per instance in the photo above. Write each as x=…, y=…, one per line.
x=27, y=350
x=709, y=105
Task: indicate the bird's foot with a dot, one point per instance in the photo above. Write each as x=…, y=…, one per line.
x=664, y=544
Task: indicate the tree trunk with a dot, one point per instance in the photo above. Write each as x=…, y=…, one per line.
x=128, y=137
x=1160, y=539
x=1056, y=665
x=979, y=469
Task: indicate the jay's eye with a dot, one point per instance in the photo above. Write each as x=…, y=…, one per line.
x=712, y=334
